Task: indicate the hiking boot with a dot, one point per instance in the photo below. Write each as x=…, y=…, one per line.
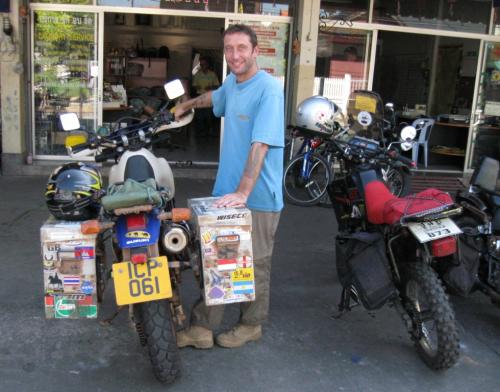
x=239, y=335
x=196, y=336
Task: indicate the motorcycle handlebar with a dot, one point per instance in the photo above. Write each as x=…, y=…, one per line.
x=398, y=157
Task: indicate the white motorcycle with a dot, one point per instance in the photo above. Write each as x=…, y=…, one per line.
x=143, y=237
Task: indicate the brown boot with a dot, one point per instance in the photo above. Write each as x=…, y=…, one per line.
x=196, y=336
x=239, y=335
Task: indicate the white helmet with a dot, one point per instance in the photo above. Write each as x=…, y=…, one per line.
x=317, y=114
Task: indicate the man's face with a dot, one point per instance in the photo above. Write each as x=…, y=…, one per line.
x=240, y=55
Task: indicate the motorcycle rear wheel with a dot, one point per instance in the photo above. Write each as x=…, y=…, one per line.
x=306, y=190
x=434, y=329
x=159, y=334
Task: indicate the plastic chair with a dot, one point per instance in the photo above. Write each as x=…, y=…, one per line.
x=423, y=127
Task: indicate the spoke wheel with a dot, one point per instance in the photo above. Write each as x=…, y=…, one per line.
x=306, y=187
x=434, y=330
x=398, y=181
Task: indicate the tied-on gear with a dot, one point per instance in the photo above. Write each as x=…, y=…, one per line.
x=73, y=192
x=318, y=114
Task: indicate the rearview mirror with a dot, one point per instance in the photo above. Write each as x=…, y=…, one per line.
x=69, y=121
x=174, y=89
x=408, y=133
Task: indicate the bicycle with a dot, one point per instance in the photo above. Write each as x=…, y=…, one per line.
x=310, y=171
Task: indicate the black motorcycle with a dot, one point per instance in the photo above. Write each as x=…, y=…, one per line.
x=477, y=264
x=387, y=249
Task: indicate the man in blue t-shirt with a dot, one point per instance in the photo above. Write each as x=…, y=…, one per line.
x=250, y=172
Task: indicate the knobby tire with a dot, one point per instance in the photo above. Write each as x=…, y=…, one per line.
x=440, y=312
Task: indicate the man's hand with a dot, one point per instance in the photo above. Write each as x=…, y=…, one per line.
x=203, y=101
x=236, y=199
x=180, y=110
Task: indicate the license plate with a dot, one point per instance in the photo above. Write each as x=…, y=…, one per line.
x=142, y=282
x=433, y=230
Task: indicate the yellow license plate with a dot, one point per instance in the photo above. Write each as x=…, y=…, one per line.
x=142, y=282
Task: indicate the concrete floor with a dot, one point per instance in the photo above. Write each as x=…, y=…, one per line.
x=303, y=347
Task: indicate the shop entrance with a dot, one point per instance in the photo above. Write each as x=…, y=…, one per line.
x=141, y=53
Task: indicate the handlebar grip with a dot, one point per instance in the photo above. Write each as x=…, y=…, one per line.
x=403, y=159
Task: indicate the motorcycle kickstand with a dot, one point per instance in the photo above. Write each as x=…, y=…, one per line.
x=344, y=304
x=107, y=322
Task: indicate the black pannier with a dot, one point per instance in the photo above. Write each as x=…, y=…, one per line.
x=362, y=263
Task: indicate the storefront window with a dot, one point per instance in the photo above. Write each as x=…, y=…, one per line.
x=487, y=124
x=432, y=77
x=275, y=8
x=342, y=63
x=189, y=5
x=454, y=15
x=344, y=12
x=76, y=2
x=65, y=74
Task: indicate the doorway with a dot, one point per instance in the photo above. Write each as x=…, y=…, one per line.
x=141, y=53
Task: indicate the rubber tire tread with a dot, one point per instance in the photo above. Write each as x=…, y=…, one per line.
x=448, y=341
x=406, y=178
x=315, y=200
x=161, y=340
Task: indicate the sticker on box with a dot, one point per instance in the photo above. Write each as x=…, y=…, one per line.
x=53, y=283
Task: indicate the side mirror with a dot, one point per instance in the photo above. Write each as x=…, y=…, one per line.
x=389, y=105
x=174, y=89
x=408, y=133
x=69, y=121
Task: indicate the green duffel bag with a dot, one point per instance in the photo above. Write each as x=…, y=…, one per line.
x=132, y=193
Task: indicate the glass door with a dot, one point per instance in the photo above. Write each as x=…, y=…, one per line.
x=65, y=75
x=486, y=122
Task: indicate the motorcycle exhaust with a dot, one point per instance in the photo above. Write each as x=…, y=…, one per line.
x=175, y=238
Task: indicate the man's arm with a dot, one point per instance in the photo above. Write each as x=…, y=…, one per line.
x=251, y=173
x=203, y=101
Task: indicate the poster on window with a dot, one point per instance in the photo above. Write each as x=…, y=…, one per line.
x=64, y=60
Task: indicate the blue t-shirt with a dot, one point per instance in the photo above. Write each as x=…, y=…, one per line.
x=253, y=111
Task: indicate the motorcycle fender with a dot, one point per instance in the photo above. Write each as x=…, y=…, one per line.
x=136, y=238
x=463, y=198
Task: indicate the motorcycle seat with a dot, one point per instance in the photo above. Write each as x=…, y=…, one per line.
x=383, y=207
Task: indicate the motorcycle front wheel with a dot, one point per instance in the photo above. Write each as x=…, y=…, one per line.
x=306, y=187
x=157, y=332
x=434, y=330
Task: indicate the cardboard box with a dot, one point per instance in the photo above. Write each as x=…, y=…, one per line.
x=225, y=236
x=69, y=270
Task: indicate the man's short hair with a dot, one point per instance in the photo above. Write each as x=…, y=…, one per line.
x=241, y=28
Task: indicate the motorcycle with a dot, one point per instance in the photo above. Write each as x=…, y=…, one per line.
x=142, y=237
x=387, y=248
x=477, y=264
x=368, y=117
